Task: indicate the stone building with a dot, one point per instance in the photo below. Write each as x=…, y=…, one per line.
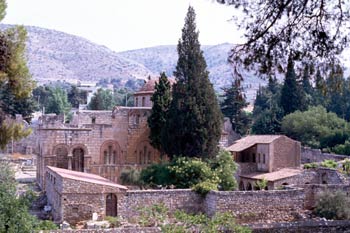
x=99, y=142
x=270, y=157
x=75, y=196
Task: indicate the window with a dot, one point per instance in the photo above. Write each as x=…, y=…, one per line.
x=93, y=120
x=137, y=102
x=143, y=101
x=254, y=159
x=259, y=158
x=110, y=155
x=264, y=158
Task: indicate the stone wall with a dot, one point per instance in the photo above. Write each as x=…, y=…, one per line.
x=309, y=155
x=114, y=230
x=303, y=227
x=286, y=153
x=184, y=199
x=247, y=206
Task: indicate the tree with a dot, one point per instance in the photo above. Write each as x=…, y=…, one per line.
x=76, y=96
x=16, y=83
x=315, y=127
x=291, y=96
x=57, y=102
x=312, y=31
x=233, y=105
x=193, y=127
x=102, y=100
x=161, y=99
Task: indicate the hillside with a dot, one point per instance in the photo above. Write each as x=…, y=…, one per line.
x=54, y=55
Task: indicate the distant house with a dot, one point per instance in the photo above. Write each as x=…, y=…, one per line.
x=265, y=156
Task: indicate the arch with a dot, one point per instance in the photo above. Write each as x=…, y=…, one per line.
x=111, y=205
x=78, y=159
x=110, y=152
x=61, y=152
x=249, y=186
x=241, y=186
x=285, y=183
x=145, y=152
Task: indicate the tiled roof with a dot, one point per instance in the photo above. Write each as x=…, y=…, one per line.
x=86, y=177
x=273, y=176
x=149, y=86
x=251, y=140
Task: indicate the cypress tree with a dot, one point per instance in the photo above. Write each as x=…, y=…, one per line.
x=233, y=105
x=193, y=127
x=291, y=95
x=161, y=101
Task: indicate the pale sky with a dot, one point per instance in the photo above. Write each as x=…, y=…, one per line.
x=126, y=24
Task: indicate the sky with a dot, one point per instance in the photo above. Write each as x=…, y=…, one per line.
x=129, y=24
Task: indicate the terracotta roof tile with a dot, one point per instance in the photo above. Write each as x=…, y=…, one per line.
x=273, y=176
x=86, y=177
x=149, y=86
x=251, y=140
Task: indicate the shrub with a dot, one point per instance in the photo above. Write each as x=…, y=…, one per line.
x=310, y=165
x=156, y=174
x=346, y=166
x=113, y=221
x=261, y=184
x=45, y=225
x=205, y=187
x=333, y=205
x=153, y=215
x=130, y=177
x=225, y=168
x=329, y=163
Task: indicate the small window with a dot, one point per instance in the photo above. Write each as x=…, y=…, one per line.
x=93, y=120
x=264, y=158
x=137, y=102
x=143, y=101
x=254, y=159
x=259, y=158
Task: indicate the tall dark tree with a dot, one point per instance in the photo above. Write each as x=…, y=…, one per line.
x=161, y=101
x=194, y=121
x=316, y=31
x=76, y=96
x=291, y=95
x=233, y=105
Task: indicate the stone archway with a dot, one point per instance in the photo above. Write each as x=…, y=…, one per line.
x=78, y=159
x=61, y=153
x=249, y=186
x=110, y=153
x=111, y=205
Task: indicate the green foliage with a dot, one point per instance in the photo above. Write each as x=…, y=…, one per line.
x=102, y=100
x=161, y=99
x=220, y=222
x=232, y=107
x=123, y=97
x=225, y=168
x=156, y=174
x=310, y=165
x=291, y=94
x=9, y=129
x=313, y=126
x=45, y=225
x=14, y=215
x=267, y=113
x=333, y=205
x=188, y=172
x=343, y=149
x=152, y=215
x=76, y=96
x=193, y=126
x=113, y=221
x=130, y=177
x=205, y=187
x=57, y=102
x=261, y=184
x=329, y=163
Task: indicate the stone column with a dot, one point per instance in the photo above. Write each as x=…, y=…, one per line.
x=70, y=157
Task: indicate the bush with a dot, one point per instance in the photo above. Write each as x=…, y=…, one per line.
x=310, y=165
x=346, y=166
x=333, y=205
x=225, y=168
x=156, y=174
x=261, y=184
x=329, y=163
x=205, y=187
x=130, y=177
x=113, y=221
x=45, y=225
x=189, y=172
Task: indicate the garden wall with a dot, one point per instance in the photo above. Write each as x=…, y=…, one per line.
x=309, y=155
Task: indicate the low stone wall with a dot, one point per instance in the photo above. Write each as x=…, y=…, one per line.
x=251, y=206
x=114, y=230
x=303, y=227
x=309, y=155
x=184, y=199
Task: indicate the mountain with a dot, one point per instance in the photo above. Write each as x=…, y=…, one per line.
x=54, y=55
x=164, y=58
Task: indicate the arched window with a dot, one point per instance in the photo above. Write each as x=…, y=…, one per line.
x=62, y=157
x=143, y=101
x=110, y=151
